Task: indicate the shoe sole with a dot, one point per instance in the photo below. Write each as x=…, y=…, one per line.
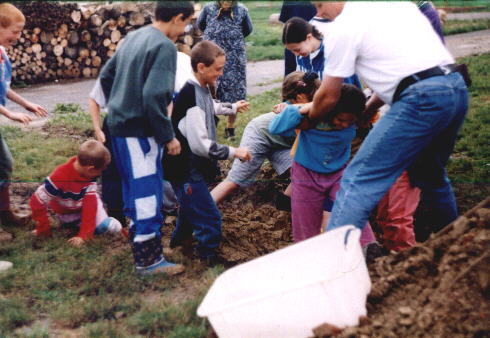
x=168, y=270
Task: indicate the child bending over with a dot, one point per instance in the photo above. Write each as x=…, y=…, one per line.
x=71, y=193
x=320, y=157
x=193, y=120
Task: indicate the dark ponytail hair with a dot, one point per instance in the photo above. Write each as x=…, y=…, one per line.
x=296, y=83
x=296, y=29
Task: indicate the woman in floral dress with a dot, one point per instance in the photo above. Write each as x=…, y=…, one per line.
x=227, y=23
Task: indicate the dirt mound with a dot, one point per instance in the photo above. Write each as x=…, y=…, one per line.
x=252, y=225
x=438, y=289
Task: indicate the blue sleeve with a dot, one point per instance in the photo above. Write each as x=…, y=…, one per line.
x=285, y=123
x=247, y=26
x=201, y=20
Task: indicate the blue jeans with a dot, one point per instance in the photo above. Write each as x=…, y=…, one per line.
x=418, y=133
x=198, y=214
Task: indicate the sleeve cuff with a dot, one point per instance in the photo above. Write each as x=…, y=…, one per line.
x=231, y=154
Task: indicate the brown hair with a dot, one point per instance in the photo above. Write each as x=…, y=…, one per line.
x=10, y=14
x=352, y=101
x=205, y=52
x=296, y=30
x=93, y=153
x=296, y=83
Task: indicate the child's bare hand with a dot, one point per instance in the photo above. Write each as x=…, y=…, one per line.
x=99, y=135
x=76, y=241
x=36, y=109
x=173, y=147
x=19, y=117
x=243, y=154
x=242, y=106
x=279, y=108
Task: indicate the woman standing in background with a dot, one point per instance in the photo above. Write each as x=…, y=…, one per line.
x=227, y=23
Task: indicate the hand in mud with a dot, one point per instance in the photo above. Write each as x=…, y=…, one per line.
x=76, y=241
x=242, y=106
x=100, y=136
x=36, y=109
x=173, y=147
x=19, y=117
x=243, y=154
x=279, y=108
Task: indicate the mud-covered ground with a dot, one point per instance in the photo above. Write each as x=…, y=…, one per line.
x=440, y=288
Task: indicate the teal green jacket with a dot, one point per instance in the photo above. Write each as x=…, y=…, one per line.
x=138, y=83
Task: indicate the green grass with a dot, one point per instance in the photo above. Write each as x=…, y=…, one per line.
x=265, y=41
x=36, y=154
x=465, y=26
x=469, y=166
x=56, y=289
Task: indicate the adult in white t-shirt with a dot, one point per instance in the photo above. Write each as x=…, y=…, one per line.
x=384, y=43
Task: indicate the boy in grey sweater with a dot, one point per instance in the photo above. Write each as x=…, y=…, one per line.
x=138, y=82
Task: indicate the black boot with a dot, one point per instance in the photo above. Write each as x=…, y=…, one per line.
x=230, y=133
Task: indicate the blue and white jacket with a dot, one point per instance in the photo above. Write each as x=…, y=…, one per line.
x=315, y=63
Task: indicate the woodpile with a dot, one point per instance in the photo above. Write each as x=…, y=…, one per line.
x=65, y=40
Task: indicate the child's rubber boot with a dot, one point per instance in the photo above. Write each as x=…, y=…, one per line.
x=7, y=216
x=149, y=259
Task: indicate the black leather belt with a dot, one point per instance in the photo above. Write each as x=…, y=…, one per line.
x=425, y=74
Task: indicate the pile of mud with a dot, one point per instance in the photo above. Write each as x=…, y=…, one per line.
x=438, y=289
x=252, y=225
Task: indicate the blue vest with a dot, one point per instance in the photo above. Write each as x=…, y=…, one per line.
x=317, y=65
x=5, y=77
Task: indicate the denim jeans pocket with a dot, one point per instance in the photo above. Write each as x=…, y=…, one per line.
x=432, y=102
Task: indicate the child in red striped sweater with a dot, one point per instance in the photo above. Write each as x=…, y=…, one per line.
x=71, y=193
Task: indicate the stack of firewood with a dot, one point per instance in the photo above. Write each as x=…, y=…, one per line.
x=64, y=40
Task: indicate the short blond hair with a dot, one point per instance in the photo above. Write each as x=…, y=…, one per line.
x=93, y=153
x=10, y=14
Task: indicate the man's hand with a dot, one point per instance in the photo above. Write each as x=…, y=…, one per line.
x=36, y=109
x=243, y=154
x=76, y=241
x=242, y=106
x=173, y=147
x=19, y=117
x=305, y=109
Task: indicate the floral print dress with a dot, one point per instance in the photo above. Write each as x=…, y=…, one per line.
x=228, y=30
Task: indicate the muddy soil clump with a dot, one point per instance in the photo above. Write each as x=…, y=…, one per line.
x=440, y=288
x=252, y=225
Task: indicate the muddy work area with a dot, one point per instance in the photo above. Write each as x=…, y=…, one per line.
x=438, y=288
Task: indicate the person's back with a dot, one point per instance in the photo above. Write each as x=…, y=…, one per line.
x=388, y=42
x=137, y=101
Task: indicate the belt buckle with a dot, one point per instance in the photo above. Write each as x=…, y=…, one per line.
x=445, y=69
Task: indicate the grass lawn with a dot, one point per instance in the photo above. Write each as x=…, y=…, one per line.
x=265, y=41
x=56, y=289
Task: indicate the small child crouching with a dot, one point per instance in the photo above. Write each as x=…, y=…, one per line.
x=71, y=193
x=193, y=120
